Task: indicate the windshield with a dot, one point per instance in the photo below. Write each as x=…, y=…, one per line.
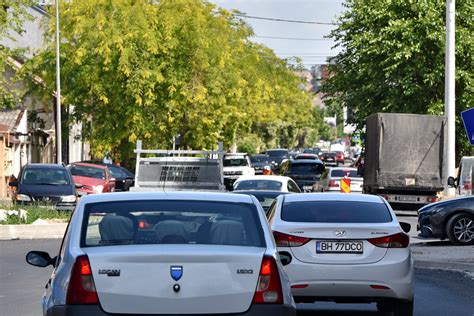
x=235, y=162
x=307, y=168
x=263, y=159
x=277, y=153
x=171, y=222
x=258, y=185
x=335, y=212
x=86, y=171
x=45, y=176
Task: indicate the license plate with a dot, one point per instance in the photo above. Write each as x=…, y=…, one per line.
x=408, y=198
x=339, y=247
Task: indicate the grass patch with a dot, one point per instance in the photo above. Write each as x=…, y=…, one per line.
x=33, y=213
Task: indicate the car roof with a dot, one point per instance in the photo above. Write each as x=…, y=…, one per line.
x=264, y=177
x=306, y=161
x=86, y=164
x=343, y=168
x=279, y=149
x=172, y=195
x=353, y=197
x=44, y=166
x=250, y=191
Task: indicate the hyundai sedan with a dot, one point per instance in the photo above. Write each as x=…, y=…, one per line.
x=161, y=253
x=344, y=248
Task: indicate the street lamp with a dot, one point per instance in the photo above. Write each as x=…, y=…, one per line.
x=59, y=148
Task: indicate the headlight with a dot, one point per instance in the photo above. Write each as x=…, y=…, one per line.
x=98, y=188
x=23, y=197
x=68, y=198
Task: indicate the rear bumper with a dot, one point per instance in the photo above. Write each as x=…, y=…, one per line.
x=96, y=310
x=394, y=271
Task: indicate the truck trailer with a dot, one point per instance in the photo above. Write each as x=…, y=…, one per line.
x=404, y=158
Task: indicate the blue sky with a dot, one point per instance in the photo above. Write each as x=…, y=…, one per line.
x=311, y=51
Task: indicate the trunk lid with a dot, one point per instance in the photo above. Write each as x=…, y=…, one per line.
x=214, y=278
x=352, y=234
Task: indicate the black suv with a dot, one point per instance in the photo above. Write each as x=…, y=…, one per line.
x=45, y=184
x=305, y=172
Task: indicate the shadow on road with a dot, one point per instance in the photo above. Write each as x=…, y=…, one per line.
x=328, y=308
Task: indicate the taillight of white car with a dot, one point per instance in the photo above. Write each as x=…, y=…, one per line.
x=81, y=289
x=399, y=240
x=285, y=240
x=269, y=286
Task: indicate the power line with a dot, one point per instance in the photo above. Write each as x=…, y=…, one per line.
x=283, y=20
x=293, y=38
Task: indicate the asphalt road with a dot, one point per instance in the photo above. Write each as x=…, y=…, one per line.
x=21, y=285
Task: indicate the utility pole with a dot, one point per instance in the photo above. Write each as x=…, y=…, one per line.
x=449, y=93
x=59, y=147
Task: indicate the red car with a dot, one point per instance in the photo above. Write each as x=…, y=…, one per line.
x=340, y=157
x=91, y=178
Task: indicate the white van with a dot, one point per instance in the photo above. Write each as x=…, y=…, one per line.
x=463, y=182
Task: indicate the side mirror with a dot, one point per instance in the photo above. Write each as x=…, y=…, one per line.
x=40, y=259
x=405, y=227
x=78, y=185
x=452, y=182
x=13, y=184
x=285, y=257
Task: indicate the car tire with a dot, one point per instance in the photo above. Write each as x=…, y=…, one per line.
x=403, y=308
x=460, y=229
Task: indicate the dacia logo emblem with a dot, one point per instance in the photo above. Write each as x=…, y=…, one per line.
x=176, y=272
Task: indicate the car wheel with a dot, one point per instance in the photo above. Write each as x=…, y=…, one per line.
x=403, y=308
x=460, y=229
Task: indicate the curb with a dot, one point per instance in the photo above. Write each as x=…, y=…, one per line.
x=49, y=231
x=464, y=267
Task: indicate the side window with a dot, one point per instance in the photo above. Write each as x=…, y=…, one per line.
x=293, y=187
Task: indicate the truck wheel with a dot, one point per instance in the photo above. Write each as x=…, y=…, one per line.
x=460, y=229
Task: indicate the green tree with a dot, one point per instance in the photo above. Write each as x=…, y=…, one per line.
x=12, y=15
x=392, y=58
x=151, y=70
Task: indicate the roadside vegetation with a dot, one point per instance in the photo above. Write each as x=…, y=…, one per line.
x=31, y=215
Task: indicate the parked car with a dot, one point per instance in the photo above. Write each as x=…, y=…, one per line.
x=124, y=178
x=260, y=162
x=452, y=219
x=265, y=198
x=329, y=159
x=331, y=178
x=45, y=184
x=307, y=156
x=304, y=172
x=236, y=165
x=181, y=253
x=345, y=248
x=277, y=156
x=91, y=178
x=267, y=183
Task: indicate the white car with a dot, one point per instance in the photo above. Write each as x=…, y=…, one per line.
x=183, y=253
x=234, y=166
x=331, y=180
x=345, y=248
x=268, y=183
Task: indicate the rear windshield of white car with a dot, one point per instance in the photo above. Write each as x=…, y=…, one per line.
x=258, y=185
x=345, y=173
x=335, y=212
x=171, y=222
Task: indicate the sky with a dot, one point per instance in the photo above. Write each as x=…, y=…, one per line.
x=314, y=49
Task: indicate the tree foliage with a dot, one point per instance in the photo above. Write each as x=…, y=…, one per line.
x=151, y=70
x=393, y=60
x=12, y=15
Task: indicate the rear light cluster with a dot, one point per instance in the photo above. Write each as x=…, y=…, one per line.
x=399, y=240
x=284, y=240
x=467, y=186
x=333, y=184
x=81, y=289
x=269, y=286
